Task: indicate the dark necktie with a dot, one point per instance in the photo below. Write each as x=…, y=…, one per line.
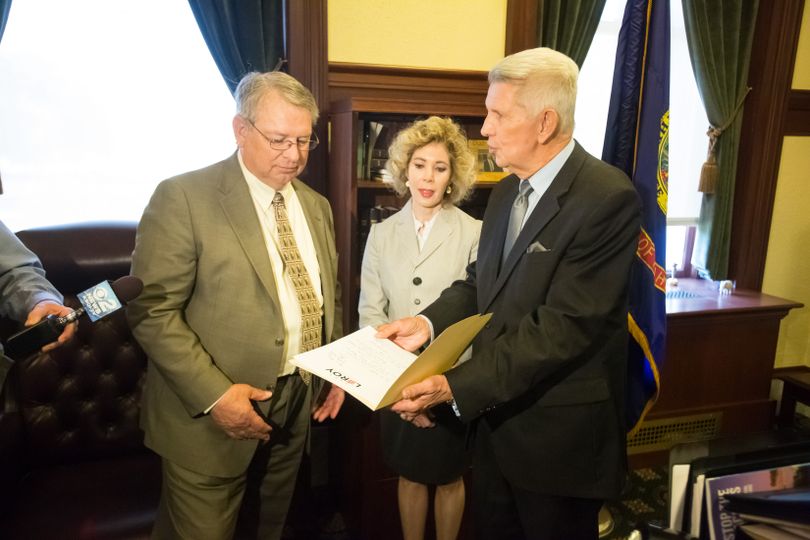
x=307, y=299
x=516, y=218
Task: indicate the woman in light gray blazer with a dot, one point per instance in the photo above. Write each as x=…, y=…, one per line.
x=410, y=258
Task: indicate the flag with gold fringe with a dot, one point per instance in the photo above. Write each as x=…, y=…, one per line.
x=637, y=141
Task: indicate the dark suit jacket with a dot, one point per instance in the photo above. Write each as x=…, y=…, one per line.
x=548, y=371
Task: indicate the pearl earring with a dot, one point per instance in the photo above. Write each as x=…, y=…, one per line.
x=407, y=183
x=449, y=190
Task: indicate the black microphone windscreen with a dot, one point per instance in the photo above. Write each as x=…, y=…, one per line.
x=127, y=288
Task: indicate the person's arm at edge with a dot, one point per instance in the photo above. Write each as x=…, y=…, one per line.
x=26, y=294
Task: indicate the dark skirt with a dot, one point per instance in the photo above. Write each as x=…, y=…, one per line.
x=436, y=455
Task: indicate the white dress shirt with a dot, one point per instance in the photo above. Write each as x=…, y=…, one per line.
x=262, y=196
x=543, y=178
x=422, y=229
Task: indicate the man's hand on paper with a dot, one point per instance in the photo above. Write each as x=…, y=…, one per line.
x=234, y=413
x=331, y=405
x=419, y=397
x=409, y=333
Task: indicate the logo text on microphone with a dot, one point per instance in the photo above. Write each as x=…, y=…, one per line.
x=99, y=301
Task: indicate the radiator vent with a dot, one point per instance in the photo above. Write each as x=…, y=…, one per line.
x=663, y=434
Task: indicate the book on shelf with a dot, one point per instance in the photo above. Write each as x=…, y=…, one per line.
x=368, y=217
x=768, y=531
x=375, y=214
x=486, y=169
x=787, y=506
x=373, y=154
x=371, y=132
x=705, y=469
x=722, y=521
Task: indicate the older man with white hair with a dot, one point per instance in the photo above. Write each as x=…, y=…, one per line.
x=544, y=389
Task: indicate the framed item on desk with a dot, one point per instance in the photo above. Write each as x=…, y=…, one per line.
x=485, y=167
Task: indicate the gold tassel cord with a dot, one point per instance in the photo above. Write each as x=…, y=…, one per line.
x=710, y=172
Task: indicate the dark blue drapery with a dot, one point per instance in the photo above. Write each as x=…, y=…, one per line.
x=242, y=35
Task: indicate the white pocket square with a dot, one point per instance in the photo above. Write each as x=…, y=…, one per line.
x=536, y=247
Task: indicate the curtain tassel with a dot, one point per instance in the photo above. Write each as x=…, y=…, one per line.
x=709, y=173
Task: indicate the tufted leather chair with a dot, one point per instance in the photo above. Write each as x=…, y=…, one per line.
x=72, y=460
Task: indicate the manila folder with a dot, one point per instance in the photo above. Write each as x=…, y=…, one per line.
x=375, y=371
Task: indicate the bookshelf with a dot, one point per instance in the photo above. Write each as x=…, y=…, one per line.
x=352, y=196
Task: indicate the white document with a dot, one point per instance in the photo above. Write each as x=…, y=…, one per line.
x=375, y=371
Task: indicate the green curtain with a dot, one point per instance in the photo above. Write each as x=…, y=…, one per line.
x=5, y=6
x=242, y=35
x=719, y=34
x=568, y=26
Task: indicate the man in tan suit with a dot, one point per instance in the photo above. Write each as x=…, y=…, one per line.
x=239, y=268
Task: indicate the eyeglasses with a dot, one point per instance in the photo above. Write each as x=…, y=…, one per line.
x=281, y=143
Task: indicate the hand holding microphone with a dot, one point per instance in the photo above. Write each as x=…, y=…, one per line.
x=50, y=308
x=97, y=302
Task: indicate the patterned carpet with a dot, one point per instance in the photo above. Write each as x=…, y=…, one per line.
x=644, y=500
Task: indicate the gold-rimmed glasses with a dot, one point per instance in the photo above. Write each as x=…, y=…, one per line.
x=284, y=143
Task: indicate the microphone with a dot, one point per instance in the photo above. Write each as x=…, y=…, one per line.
x=97, y=302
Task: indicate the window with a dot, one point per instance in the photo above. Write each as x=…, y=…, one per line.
x=688, y=123
x=100, y=101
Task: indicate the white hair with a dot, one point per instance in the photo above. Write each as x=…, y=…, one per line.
x=254, y=86
x=545, y=79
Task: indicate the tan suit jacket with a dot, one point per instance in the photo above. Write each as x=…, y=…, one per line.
x=393, y=264
x=209, y=315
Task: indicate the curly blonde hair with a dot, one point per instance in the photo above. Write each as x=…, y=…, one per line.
x=424, y=132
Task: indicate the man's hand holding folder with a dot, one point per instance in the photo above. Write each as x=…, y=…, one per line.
x=410, y=334
x=376, y=367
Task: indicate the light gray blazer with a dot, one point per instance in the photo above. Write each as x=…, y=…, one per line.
x=397, y=280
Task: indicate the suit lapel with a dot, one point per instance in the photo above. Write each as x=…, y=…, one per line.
x=441, y=232
x=314, y=222
x=405, y=234
x=241, y=213
x=547, y=207
x=489, y=253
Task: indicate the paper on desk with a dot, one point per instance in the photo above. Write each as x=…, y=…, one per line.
x=375, y=371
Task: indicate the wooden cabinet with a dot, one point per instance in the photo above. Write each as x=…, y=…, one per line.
x=350, y=195
x=716, y=376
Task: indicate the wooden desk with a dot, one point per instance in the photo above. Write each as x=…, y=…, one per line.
x=719, y=360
